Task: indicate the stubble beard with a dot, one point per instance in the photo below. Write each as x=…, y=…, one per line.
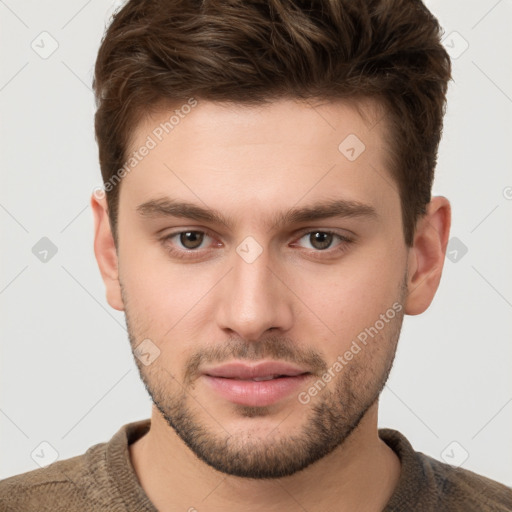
x=331, y=416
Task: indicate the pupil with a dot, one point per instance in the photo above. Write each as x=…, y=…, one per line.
x=321, y=240
x=191, y=239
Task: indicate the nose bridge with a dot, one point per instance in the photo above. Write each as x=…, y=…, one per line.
x=253, y=299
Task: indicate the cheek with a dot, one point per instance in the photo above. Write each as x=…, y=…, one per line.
x=167, y=303
x=151, y=277
x=349, y=298
x=150, y=291
x=164, y=303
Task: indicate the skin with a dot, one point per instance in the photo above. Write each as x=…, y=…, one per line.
x=294, y=302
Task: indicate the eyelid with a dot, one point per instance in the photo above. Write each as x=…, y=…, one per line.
x=344, y=240
x=297, y=235
x=197, y=254
x=172, y=234
x=345, y=234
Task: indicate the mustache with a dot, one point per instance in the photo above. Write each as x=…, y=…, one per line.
x=276, y=348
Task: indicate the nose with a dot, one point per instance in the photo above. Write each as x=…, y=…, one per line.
x=254, y=298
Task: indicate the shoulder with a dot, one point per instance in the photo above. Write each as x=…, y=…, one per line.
x=101, y=479
x=427, y=484
x=469, y=491
x=64, y=485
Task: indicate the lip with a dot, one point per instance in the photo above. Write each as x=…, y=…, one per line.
x=233, y=381
x=244, y=371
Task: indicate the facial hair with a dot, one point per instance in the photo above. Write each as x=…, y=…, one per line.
x=330, y=417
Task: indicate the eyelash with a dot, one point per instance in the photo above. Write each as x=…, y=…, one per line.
x=191, y=253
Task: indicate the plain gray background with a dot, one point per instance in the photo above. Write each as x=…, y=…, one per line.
x=67, y=376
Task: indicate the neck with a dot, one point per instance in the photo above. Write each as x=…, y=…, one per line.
x=361, y=474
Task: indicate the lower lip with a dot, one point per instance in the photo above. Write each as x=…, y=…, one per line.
x=256, y=393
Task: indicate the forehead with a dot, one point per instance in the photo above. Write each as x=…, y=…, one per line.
x=256, y=156
x=300, y=119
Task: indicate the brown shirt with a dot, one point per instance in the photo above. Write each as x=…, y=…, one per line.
x=103, y=479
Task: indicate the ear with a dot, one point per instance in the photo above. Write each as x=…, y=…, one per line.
x=427, y=254
x=105, y=251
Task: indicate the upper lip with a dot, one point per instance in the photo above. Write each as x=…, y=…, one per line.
x=238, y=370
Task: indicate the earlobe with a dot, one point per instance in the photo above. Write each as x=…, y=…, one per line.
x=426, y=256
x=106, y=253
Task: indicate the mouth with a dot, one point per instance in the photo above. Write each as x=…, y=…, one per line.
x=255, y=385
x=266, y=377
x=261, y=371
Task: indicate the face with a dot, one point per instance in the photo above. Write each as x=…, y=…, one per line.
x=261, y=259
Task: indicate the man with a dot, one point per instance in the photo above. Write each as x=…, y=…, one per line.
x=267, y=224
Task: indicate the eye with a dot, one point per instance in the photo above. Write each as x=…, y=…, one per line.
x=186, y=244
x=196, y=243
x=190, y=239
x=321, y=240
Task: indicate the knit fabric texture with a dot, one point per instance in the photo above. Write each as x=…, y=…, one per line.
x=103, y=479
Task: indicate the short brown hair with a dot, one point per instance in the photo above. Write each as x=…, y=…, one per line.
x=256, y=51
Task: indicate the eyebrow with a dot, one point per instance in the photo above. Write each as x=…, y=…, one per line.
x=341, y=208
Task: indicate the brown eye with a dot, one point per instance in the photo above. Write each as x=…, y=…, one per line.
x=320, y=239
x=191, y=239
x=324, y=243
x=189, y=244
